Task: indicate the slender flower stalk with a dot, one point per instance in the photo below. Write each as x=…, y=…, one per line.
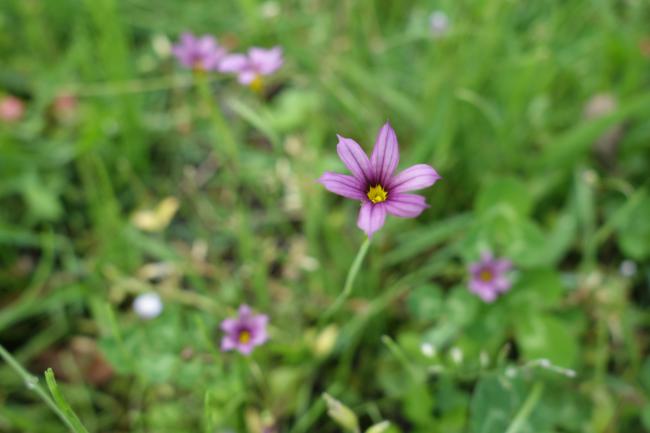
x=227, y=142
x=517, y=423
x=374, y=183
x=489, y=277
x=349, y=280
x=70, y=419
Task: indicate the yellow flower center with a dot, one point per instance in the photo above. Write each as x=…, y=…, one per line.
x=377, y=194
x=485, y=276
x=257, y=85
x=244, y=337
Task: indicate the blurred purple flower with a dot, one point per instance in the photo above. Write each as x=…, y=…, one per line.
x=252, y=66
x=11, y=109
x=489, y=277
x=200, y=53
x=65, y=107
x=374, y=183
x=439, y=24
x=244, y=332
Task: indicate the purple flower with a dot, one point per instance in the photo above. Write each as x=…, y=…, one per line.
x=439, y=24
x=488, y=277
x=374, y=183
x=252, y=66
x=11, y=109
x=200, y=53
x=244, y=332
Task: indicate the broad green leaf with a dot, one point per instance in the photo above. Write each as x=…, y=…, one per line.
x=634, y=234
x=495, y=402
x=508, y=192
x=418, y=405
x=425, y=303
x=536, y=289
x=544, y=336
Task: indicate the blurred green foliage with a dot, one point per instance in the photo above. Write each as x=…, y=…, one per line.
x=534, y=113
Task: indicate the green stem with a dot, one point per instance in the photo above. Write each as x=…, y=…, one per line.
x=349, y=281
x=31, y=382
x=400, y=355
x=526, y=408
x=222, y=131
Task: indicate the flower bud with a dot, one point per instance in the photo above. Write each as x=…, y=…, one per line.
x=342, y=414
x=379, y=427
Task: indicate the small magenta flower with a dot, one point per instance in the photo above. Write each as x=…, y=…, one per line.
x=199, y=53
x=374, y=183
x=244, y=332
x=12, y=109
x=489, y=277
x=251, y=67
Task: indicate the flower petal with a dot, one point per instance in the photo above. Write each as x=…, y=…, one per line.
x=405, y=205
x=354, y=158
x=233, y=63
x=212, y=60
x=259, y=337
x=416, y=177
x=475, y=268
x=188, y=40
x=371, y=217
x=205, y=45
x=385, y=155
x=258, y=322
x=229, y=325
x=485, y=291
x=501, y=284
x=502, y=265
x=228, y=343
x=266, y=61
x=246, y=77
x=487, y=257
x=342, y=184
x=245, y=349
x=183, y=54
x=244, y=311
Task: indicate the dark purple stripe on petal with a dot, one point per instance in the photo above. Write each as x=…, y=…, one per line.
x=354, y=158
x=405, y=205
x=344, y=185
x=371, y=217
x=416, y=177
x=385, y=155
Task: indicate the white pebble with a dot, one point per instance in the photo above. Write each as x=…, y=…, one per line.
x=628, y=268
x=428, y=350
x=456, y=355
x=148, y=305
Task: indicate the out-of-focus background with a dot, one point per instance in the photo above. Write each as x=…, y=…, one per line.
x=122, y=173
